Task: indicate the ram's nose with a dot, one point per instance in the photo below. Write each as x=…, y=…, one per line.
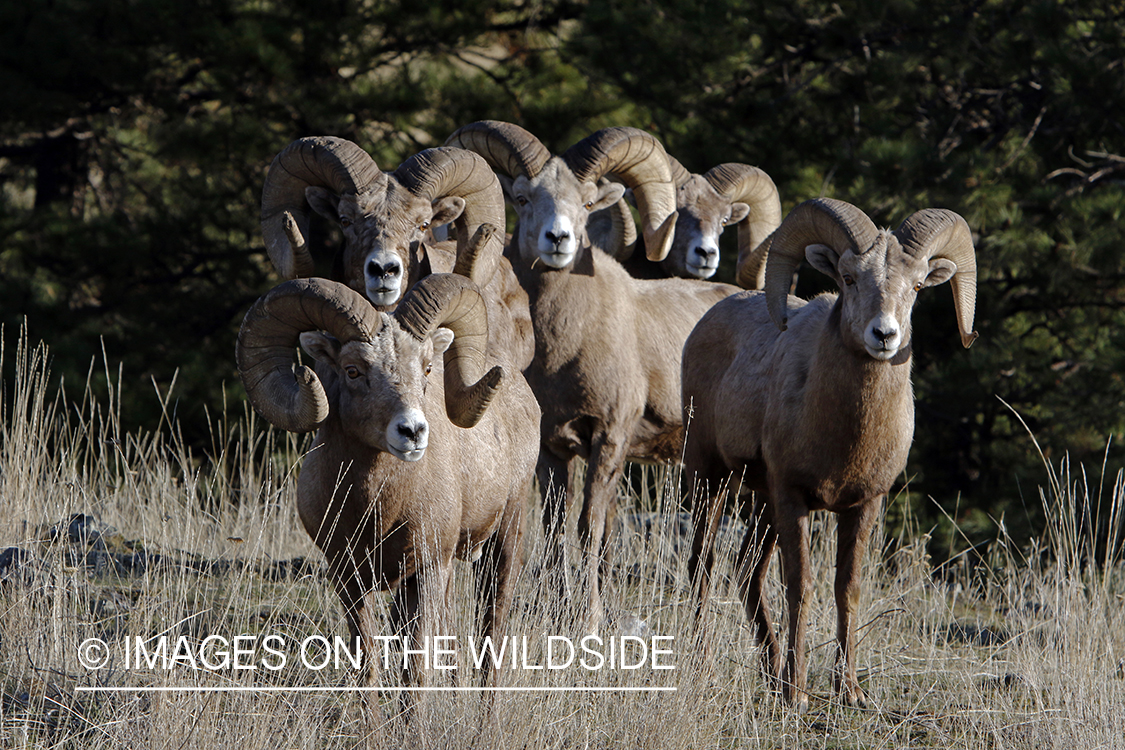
x=408, y=435
x=883, y=337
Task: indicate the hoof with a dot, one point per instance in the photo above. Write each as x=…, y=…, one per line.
x=853, y=695
x=798, y=700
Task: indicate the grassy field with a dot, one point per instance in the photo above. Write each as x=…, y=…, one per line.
x=120, y=537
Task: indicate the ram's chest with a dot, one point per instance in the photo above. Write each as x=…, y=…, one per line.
x=367, y=508
x=560, y=328
x=845, y=445
x=852, y=462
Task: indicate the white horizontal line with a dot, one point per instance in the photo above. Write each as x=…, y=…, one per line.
x=327, y=689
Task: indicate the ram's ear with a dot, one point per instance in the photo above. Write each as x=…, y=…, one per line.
x=941, y=271
x=442, y=338
x=447, y=209
x=604, y=195
x=823, y=259
x=738, y=212
x=324, y=202
x=421, y=262
x=321, y=347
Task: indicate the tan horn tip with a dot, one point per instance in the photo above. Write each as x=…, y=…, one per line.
x=658, y=241
x=292, y=230
x=967, y=339
x=477, y=399
x=492, y=378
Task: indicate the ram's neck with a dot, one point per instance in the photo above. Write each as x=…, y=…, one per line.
x=560, y=300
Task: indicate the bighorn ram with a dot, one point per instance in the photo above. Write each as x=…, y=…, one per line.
x=384, y=218
x=607, y=346
x=407, y=471
x=814, y=411
x=727, y=194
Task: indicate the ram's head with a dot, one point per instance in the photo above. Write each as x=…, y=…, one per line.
x=879, y=272
x=384, y=217
x=554, y=196
x=375, y=365
x=726, y=195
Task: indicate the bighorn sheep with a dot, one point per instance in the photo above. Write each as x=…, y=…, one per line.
x=385, y=218
x=727, y=194
x=814, y=411
x=607, y=346
x=402, y=477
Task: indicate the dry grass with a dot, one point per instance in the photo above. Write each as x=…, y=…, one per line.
x=1024, y=652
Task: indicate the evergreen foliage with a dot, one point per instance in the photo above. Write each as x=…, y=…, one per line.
x=137, y=134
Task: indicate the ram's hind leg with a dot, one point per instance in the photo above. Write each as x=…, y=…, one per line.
x=853, y=533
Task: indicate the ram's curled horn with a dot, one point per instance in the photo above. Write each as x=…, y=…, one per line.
x=637, y=159
x=821, y=221
x=334, y=163
x=750, y=273
x=294, y=399
x=680, y=175
x=454, y=302
x=508, y=148
x=440, y=172
x=742, y=183
x=940, y=233
x=469, y=253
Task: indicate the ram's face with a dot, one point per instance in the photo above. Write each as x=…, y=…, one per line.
x=379, y=386
x=703, y=215
x=383, y=232
x=553, y=209
x=878, y=289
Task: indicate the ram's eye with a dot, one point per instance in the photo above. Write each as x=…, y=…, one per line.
x=848, y=280
x=424, y=225
x=589, y=205
x=352, y=371
x=521, y=200
x=429, y=367
x=725, y=221
x=345, y=221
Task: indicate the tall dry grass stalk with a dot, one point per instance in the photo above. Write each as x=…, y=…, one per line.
x=119, y=536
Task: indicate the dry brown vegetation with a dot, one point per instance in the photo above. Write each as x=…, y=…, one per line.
x=1022, y=650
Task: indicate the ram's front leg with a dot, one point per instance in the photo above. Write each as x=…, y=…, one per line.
x=708, y=497
x=366, y=628
x=432, y=623
x=607, y=458
x=753, y=564
x=497, y=571
x=791, y=519
x=853, y=532
x=556, y=489
x=419, y=616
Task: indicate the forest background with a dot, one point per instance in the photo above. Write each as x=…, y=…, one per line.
x=137, y=134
